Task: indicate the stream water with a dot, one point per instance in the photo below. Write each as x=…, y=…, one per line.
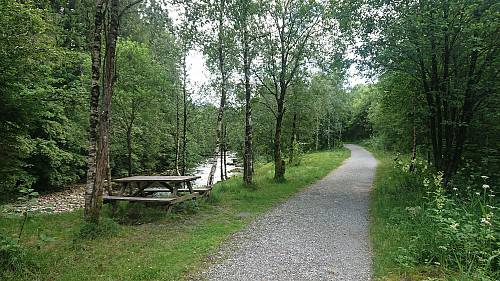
x=203, y=169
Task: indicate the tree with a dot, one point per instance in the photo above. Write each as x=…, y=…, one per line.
x=142, y=81
x=291, y=28
x=216, y=45
x=451, y=50
x=99, y=157
x=244, y=13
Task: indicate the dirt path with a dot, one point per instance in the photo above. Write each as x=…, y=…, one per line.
x=319, y=234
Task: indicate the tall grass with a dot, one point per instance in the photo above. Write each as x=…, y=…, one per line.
x=148, y=245
x=420, y=231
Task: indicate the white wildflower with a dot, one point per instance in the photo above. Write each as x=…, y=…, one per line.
x=483, y=220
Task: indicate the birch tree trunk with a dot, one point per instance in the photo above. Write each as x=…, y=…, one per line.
x=97, y=172
x=292, y=138
x=248, y=155
x=210, y=181
x=90, y=195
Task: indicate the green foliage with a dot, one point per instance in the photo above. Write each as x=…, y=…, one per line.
x=12, y=253
x=420, y=226
x=444, y=55
x=362, y=99
x=142, y=105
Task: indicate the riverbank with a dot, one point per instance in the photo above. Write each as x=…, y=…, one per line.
x=69, y=199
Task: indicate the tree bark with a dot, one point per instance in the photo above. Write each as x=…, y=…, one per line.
x=177, y=132
x=109, y=80
x=414, y=150
x=184, y=131
x=329, y=133
x=222, y=70
x=91, y=198
x=279, y=164
x=222, y=155
x=292, y=138
x=248, y=154
x=97, y=175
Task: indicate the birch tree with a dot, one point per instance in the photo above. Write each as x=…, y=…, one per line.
x=291, y=29
x=100, y=116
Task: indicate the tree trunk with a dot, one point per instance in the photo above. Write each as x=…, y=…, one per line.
x=222, y=149
x=225, y=153
x=129, y=149
x=177, y=132
x=292, y=138
x=248, y=156
x=222, y=70
x=279, y=164
x=184, y=131
x=91, y=198
x=317, y=133
x=414, y=150
x=109, y=80
x=329, y=128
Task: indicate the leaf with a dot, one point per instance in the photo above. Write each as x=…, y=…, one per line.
x=46, y=238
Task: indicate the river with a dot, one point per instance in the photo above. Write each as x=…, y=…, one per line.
x=203, y=169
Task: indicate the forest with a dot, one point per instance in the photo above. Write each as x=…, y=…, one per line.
x=95, y=90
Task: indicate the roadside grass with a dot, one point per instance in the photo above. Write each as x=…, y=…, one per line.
x=139, y=242
x=419, y=231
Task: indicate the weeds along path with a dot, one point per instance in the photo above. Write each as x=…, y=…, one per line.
x=319, y=234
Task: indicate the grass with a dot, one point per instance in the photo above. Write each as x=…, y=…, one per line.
x=419, y=231
x=389, y=241
x=146, y=244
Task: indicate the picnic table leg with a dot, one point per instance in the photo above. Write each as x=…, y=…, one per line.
x=169, y=209
x=120, y=193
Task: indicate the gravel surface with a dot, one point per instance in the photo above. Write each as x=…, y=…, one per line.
x=319, y=234
x=66, y=200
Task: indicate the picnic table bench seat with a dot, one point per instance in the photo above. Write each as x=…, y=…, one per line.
x=108, y=198
x=153, y=190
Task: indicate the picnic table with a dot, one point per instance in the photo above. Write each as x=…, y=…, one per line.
x=140, y=188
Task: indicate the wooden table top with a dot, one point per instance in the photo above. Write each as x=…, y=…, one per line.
x=157, y=179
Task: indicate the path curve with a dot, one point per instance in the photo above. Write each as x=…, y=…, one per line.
x=319, y=234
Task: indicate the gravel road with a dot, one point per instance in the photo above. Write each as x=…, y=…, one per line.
x=319, y=234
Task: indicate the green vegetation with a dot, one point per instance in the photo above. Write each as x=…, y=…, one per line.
x=147, y=244
x=421, y=232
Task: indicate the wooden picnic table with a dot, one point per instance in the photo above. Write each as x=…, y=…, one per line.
x=139, y=188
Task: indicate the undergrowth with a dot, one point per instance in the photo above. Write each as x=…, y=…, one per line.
x=422, y=230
